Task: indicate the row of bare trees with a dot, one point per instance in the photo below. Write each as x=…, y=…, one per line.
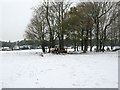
x=83, y=24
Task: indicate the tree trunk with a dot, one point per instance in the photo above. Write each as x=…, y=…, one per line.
x=74, y=46
x=90, y=40
x=43, y=47
x=119, y=22
x=86, y=41
x=100, y=45
x=82, y=41
x=97, y=35
x=77, y=47
x=62, y=41
x=61, y=27
x=50, y=30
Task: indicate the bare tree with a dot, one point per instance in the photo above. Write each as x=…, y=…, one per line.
x=36, y=30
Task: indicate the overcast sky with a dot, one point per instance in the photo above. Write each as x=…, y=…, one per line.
x=14, y=17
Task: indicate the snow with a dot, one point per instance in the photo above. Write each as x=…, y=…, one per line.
x=27, y=69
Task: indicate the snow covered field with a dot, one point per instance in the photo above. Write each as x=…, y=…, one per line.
x=27, y=69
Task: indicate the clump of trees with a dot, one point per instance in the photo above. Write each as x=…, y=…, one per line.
x=86, y=24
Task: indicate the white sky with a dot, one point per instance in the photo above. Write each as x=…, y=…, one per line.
x=14, y=17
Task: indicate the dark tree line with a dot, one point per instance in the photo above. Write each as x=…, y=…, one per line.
x=86, y=24
x=33, y=44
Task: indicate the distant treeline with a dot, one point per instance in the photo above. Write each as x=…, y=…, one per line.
x=36, y=43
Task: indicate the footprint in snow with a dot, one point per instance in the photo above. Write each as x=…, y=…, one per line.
x=74, y=74
x=41, y=71
x=63, y=65
x=49, y=69
x=97, y=84
x=37, y=81
x=18, y=74
x=75, y=84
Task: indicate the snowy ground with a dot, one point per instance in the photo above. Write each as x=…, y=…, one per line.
x=27, y=69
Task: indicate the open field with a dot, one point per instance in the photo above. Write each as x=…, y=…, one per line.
x=27, y=69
